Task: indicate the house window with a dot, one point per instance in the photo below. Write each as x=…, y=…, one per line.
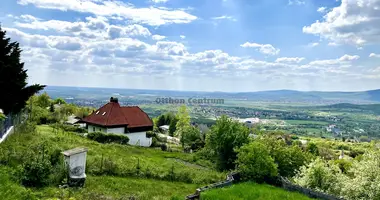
x=97, y=112
x=104, y=113
x=93, y=129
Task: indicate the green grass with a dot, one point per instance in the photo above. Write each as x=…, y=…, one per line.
x=107, y=187
x=123, y=183
x=251, y=191
x=98, y=187
x=125, y=157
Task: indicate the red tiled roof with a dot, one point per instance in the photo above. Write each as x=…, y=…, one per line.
x=112, y=114
x=136, y=117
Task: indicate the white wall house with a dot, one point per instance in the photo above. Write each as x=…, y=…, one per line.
x=114, y=119
x=136, y=138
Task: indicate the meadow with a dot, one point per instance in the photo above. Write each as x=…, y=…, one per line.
x=250, y=190
x=113, y=170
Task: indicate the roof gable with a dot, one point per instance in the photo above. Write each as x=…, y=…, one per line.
x=107, y=115
x=112, y=114
x=136, y=117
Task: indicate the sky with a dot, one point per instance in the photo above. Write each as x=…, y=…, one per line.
x=199, y=45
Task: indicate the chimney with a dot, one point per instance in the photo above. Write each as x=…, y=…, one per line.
x=114, y=100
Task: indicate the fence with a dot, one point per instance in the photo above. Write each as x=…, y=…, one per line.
x=11, y=120
x=287, y=185
x=231, y=178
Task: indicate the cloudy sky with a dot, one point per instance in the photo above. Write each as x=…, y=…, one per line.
x=202, y=45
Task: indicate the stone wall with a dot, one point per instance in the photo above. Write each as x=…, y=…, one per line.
x=282, y=182
x=231, y=178
x=287, y=185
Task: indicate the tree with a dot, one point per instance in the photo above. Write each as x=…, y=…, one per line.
x=255, y=163
x=192, y=138
x=172, y=126
x=224, y=137
x=43, y=100
x=59, y=101
x=14, y=90
x=51, y=109
x=183, y=123
x=312, y=148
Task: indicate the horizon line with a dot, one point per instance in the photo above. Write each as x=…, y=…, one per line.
x=274, y=90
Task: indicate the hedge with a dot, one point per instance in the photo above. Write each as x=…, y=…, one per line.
x=108, y=138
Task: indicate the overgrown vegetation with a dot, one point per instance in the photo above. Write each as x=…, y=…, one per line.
x=108, y=138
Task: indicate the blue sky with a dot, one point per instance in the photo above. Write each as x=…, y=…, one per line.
x=209, y=45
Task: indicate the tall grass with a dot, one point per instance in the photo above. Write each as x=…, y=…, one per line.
x=251, y=191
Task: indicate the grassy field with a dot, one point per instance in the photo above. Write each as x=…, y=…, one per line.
x=251, y=191
x=98, y=188
x=123, y=181
x=124, y=157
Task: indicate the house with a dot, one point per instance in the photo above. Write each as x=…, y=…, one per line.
x=113, y=118
x=164, y=128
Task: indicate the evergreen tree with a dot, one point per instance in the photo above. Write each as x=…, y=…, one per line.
x=14, y=90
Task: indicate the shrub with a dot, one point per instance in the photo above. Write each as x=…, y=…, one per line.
x=343, y=164
x=255, y=163
x=36, y=173
x=164, y=147
x=319, y=175
x=150, y=134
x=71, y=128
x=108, y=138
x=312, y=148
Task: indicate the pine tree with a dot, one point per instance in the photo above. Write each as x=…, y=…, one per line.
x=14, y=90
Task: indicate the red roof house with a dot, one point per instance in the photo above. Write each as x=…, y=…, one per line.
x=113, y=118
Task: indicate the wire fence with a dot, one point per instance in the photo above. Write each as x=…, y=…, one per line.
x=12, y=120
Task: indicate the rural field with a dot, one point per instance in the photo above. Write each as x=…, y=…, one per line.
x=251, y=190
x=124, y=181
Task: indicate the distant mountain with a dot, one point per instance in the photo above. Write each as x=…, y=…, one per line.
x=313, y=97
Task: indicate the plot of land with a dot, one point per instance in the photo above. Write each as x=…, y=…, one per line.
x=252, y=191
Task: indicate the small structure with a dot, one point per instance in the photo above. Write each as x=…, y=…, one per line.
x=341, y=154
x=164, y=128
x=75, y=161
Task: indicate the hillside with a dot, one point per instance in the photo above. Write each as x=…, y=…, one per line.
x=149, y=96
x=251, y=191
x=113, y=170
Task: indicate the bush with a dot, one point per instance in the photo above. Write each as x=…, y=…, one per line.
x=70, y=128
x=320, y=176
x=164, y=147
x=343, y=164
x=150, y=134
x=255, y=163
x=108, y=138
x=36, y=173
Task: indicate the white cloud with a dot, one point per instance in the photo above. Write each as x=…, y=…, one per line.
x=373, y=55
x=322, y=9
x=95, y=27
x=345, y=59
x=182, y=36
x=290, y=60
x=224, y=17
x=158, y=37
x=159, y=1
x=314, y=44
x=263, y=48
x=353, y=22
x=152, y=15
x=296, y=2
